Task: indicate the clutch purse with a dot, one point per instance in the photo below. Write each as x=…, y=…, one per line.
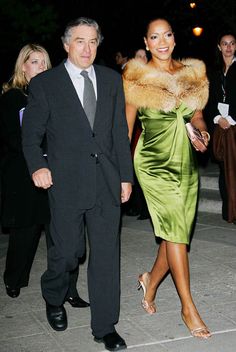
x=195, y=137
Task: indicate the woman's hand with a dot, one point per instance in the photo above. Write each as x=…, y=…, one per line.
x=223, y=123
x=199, y=146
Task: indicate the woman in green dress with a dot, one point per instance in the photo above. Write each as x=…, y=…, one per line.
x=166, y=94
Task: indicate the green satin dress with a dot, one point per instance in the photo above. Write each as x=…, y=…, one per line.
x=166, y=168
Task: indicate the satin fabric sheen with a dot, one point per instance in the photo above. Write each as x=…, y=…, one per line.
x=166, y=167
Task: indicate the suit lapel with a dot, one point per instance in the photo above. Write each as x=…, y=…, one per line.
x=102, y=89
x=69, y=94
x=66, y=86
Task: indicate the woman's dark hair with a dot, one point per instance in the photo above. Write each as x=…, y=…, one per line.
x=156, y=19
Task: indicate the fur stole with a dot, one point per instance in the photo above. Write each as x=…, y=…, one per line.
x=145, y=87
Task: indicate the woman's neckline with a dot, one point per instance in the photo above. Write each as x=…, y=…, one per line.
x=172, y=68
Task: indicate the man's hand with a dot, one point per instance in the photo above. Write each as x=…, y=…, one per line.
x=42, y=178
x=126, y=189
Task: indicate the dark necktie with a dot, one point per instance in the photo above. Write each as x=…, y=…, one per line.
x=89, y=98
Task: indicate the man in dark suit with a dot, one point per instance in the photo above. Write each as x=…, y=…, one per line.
x=88, y=174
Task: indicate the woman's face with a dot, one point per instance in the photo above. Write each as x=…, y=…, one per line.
x=227, y=46
x=35, y=64
x=160, y=40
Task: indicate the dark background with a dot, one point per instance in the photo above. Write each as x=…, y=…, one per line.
x=123, y=25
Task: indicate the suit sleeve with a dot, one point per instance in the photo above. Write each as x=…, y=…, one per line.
x=34, y=126
x=120, y=136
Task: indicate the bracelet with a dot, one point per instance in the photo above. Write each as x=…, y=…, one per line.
x=206, y=134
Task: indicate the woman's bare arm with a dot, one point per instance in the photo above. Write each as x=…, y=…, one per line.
x=131, y=113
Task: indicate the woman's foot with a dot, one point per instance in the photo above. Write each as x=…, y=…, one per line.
x=195, y=325
x=143, y=282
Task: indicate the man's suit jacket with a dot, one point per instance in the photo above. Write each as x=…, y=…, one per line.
x=55, y=109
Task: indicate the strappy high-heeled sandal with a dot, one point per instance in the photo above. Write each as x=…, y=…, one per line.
x=198, y=331
x=143, y=279
x=201, y=333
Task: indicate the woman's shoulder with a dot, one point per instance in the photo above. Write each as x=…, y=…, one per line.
x=134, y=69
x=12, y=99
x=13, y=93
x=193, y=64
x=233, y=67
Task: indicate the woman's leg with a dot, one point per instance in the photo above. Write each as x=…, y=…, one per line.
x=177, y=258
x=22, y=246
x=174, y=257
x=158, y=272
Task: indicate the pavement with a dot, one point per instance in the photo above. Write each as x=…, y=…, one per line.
x=23, y=324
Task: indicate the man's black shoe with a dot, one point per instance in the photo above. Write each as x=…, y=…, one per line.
x=112, y=341
x=12, y=292
x=77, y=302
x=57, y=317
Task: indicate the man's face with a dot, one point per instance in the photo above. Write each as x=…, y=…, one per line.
x=82, y=46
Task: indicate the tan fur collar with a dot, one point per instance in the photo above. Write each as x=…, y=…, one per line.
x=146, y=87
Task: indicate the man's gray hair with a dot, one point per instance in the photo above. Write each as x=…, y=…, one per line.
x=79, y=22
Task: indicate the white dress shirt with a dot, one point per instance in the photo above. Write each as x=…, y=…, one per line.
x=78, y=80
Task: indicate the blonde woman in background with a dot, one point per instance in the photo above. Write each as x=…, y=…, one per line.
x=24, y=208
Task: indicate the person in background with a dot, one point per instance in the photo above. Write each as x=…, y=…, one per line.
x=25, y=209
x=88, y=173
x=166, y=94
x=221, y=111
x=121, y=59
x=141, y=54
